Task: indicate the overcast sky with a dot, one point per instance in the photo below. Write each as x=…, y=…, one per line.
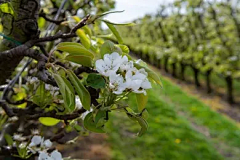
x=135, y=9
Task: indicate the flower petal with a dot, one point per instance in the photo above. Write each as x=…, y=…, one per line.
x=36, y=140
x=56, y=155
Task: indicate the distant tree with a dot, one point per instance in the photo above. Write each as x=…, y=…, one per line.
x=61, y=75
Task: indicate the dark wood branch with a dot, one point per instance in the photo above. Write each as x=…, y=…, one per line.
x=53, y=114
x=83, y=69
x=57, y=22
x=82, y=23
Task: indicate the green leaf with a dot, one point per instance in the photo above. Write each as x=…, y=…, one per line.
x=49, y=121
x=75, y=49
x=102, y=15
x=81, y=90
x=151, y=74
x=114, y=31
x=100, y=118
x=96, y=81
x=83, y=60
x=83, y=38
x=41, y=97
x=144, y=125
x=90, y=125
x=67, y=92
x=78, y=128
x=124, y=48
x=145, y=114
x=137, y=118
x=108, y=47
x=9, y=139
x=87, y=30
x=119, y=24
x=141, y=101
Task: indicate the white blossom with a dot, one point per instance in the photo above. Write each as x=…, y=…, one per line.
x=32, y=80
x=36, y=140
x=233, y=58
x=122, y=74
x=117, y=83
x=47, y=143
x=38, y=144
x=18, y=137
x=56, y=155
x=43, y=156
x=110, y=63
x=35, y=132
x=126, y=66
x=78, y=103
x=80, y=13
x=137, y=81
x=23, y=145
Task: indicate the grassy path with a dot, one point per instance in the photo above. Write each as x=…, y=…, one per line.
x=180, y=128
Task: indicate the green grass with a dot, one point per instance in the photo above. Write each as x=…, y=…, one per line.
x=180, y=128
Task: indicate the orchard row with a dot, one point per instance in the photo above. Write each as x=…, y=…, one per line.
x=203, y=35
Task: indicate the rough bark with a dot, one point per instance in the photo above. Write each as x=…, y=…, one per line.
x=159, y=63
x=196, y=80
x=208, y=81
x=174, y=70
x=147, y=58
x=229, y=82
x=22, y=26
x=166, y=64
x=182, y=72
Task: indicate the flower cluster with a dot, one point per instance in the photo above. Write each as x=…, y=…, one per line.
x=122, y=74
x=38, y=144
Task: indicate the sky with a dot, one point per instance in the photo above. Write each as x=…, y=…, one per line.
x=134, y=9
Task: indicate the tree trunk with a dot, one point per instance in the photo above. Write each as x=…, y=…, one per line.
x=229, y=82
x=174, y=70
x=183, y=66
x=21, y=28
x=208, y=81
x=196, y=80
x=166, y=64
x=159, y=63
x=147, y=58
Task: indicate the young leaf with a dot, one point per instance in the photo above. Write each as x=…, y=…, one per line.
x=119, y=24
x=102, y=15
x=142, y=122
x=74, y=49
x=108, y=47
x=114, y=31
x=67, y=92
x=96, y=81
x=141, y=101
x=81, y=90
x=9, y=139
x=41, y=97
x=90, y=125
x=144, y=125
x=100, y=118
x=48, y=121
x=83, y=38
x=83, y=60
x=124, y=48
